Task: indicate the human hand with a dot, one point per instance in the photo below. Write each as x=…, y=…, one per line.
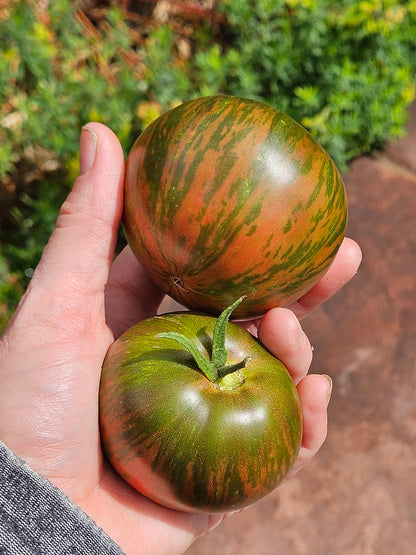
x=52, y=351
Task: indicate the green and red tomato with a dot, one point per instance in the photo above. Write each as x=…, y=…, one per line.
x=225, y=197
x=196, y=414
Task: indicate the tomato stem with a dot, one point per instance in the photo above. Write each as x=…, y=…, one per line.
x=219, y=352
x=215, y=369
x=223, y=371
x=231, y=381
x=204, y=365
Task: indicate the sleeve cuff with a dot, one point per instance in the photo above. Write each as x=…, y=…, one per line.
x=37, y=518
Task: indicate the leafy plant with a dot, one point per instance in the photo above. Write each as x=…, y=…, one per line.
x=344, y=69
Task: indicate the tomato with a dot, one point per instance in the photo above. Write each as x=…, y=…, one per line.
x=225, y=197
x=196, y=414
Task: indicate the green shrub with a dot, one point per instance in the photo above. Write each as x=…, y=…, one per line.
x=33, y=221
x=58, y=71
x=342, y=68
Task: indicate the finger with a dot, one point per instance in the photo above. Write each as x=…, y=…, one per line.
x=343, y=268
x=82, y=245
x=314, y=392
x=70, y=278
x=281, y=333
x=131, y=295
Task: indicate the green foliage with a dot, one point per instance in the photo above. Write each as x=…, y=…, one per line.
x=58, y=73
x=33, y=220
x=342, y=68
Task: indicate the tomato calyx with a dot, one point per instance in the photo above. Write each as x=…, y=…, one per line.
x=224, y=376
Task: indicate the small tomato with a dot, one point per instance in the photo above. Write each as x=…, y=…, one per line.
x=196, y=414
x=226, y=196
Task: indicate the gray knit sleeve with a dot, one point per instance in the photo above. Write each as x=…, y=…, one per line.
x=36, y=518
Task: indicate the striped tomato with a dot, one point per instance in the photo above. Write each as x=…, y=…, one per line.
x=226, y=196
x=196, y=414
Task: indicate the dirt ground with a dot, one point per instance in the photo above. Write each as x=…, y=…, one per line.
x=358, y=496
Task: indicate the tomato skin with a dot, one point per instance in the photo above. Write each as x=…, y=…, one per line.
x=180, y=440
x=227, y=197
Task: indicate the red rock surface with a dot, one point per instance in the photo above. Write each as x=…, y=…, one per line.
x=358, y=496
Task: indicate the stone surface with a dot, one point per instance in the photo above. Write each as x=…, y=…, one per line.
x=358, y=496
x=404, y=150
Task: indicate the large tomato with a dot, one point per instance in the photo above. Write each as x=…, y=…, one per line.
x=194, y=425
x=226, y=196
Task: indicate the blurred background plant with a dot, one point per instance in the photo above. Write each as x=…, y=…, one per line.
x=345, y=69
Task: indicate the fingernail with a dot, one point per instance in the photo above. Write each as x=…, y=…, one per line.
x=329, y=391
x=88, y=150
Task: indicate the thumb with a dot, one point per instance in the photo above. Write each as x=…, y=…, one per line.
x=72, y=273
